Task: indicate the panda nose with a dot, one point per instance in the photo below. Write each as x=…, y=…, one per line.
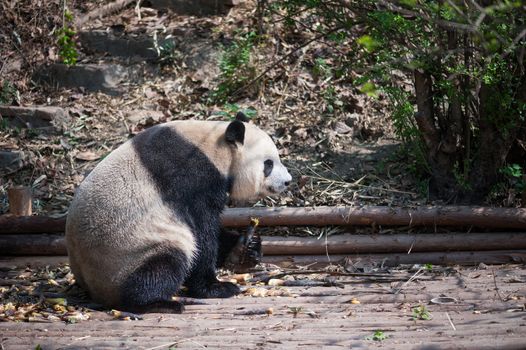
x=287, y=183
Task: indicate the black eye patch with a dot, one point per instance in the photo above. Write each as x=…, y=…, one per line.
x=269, y=164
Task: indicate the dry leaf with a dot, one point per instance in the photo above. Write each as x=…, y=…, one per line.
x=256, y=292
x=87, y=156
x=276, y=282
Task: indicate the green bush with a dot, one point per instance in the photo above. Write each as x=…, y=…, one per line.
x=67, y=47
x=236, y=67
x=457, y=100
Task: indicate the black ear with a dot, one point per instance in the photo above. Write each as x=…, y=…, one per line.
x=235, y=132
x=242, y=117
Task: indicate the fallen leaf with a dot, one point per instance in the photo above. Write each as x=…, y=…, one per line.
x=276, y=282
x=87, y=156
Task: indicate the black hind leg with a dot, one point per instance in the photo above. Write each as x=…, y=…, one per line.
x=150, y=288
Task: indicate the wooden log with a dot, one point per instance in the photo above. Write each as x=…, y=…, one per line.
x=20, y=200
x=349, y=244
x=490, y=257
x=419, y=216
x=436, y=258
x=31, y=224
x=54, y=244
x=37, y=244
x=459, y=216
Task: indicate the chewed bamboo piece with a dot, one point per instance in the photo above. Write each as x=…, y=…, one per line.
x=247, y=252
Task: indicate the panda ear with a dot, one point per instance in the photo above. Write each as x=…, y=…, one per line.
x=242, y=117
x=235, y=132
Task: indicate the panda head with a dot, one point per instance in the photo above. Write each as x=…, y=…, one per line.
x=257, y=170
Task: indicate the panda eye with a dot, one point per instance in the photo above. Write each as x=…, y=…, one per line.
x=269, y=164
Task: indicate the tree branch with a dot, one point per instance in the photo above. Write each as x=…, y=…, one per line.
x=425, y=114
x=439, y=22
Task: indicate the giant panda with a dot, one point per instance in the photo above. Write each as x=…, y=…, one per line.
x=146, y=220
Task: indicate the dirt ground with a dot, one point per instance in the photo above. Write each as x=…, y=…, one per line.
x=347, y=156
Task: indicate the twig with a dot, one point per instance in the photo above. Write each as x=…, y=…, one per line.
x=439, y=22
x=496, y=288
x=450, y=322
x=412, y=244
x=412, y=278
x=175, y=343
x=265, y=276
x=138, y=9
x=162, y=346
x=351, y=184
x=327, y=248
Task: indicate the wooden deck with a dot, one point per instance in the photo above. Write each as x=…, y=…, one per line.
x=485, y=310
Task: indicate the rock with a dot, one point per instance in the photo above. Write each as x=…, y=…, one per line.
x=105, y=78
x=11, y=162
x=101, y=41
x=196, y=7
x=342, y=128
x=201, y=56
x=46, y=118
x=145, y=117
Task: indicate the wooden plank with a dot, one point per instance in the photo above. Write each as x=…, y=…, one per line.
x=394, y=259
x=13, y=262
x=271, y=331
x=488, y=315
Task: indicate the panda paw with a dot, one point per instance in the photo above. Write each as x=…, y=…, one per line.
x=216, y=290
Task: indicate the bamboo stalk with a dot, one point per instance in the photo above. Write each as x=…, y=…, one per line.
x=460, y=216
x=54, y=244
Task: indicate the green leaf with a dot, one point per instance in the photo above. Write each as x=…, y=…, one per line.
x=368, y=42
x=409, y=3
x=250, y=112
x=377, y=336
x=369, y=89
x=421, y=313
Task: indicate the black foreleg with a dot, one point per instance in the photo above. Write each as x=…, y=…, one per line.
x=202, y=281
